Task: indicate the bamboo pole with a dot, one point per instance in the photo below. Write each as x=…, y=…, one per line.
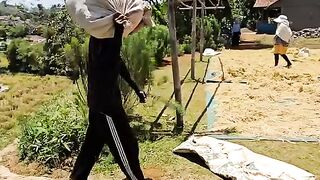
x=175, y=64
x=202, y=29
x=194, y=38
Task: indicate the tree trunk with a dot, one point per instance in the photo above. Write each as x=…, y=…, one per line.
x=194, y=38
x=175, y=64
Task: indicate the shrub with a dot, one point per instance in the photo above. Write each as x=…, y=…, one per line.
x=3, y=32
x=24, y=57
x=187, y=44
x=76, y=56
x=18, y=31
x=52, y=134
x=59, y=32
x=138, y=51
x=160, y=37
x=181, y=49
x=211, y=32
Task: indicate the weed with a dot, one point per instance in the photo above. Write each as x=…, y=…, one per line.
x=51, y=135
x=162, y=80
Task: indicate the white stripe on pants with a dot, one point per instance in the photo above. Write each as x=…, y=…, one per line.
x=121, y=152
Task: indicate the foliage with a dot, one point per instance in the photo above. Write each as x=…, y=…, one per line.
x=59, y=32
x=7, y=10
x=211, y=32
x=18, y=31
x=244, y=11
x=3, y=32
x=187, y=44
x=76, y=56
x=183, y=23
x=24, y=57
x=137, y=52
x=52, y=134
x=181, y=49
x=159, y=11
x=159, y=36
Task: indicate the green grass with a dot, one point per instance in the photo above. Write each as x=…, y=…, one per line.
x=159, y=155
x=3, y=61
x=302, y=155
x=162, y=90
x=25, y=95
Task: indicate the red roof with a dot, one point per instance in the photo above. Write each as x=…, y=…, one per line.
x=264, y=3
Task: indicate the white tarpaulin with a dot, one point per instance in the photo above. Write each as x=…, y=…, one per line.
x=210, y=52
x=96, y=16
x=237, y=162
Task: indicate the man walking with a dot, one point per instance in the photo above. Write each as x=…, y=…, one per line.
x=108, y=122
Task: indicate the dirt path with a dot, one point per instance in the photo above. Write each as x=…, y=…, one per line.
x=275, y=102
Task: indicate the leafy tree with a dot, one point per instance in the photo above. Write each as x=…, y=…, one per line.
x=12, y=55
x=7, y=10
x=160, y=37
x=18, y=31
x=159, y=10
x=3, y=32
x=24, y=57
x=243, y=9
x=59, y=31
x=211, y=31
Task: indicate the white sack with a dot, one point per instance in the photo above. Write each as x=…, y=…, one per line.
x=237, y=162
x=96, y=16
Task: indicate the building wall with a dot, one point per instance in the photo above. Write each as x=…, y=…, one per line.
x=302, y=13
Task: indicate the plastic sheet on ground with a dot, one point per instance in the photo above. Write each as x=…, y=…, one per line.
x=3, y=88
x=234, y=161
x=304, y=52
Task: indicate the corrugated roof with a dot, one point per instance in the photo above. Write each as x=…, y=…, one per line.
x=264, y=3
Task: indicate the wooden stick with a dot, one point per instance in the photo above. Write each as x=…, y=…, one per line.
x=194, y=38
x=202, y=29
x=175, y=63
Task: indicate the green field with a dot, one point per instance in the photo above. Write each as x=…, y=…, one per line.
x=26, y=93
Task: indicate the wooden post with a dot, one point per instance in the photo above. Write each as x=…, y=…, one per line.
x=175, y=63
x=202, y=30
x=194, y=38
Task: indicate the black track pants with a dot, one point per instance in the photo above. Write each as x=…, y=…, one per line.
x=114, y=130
